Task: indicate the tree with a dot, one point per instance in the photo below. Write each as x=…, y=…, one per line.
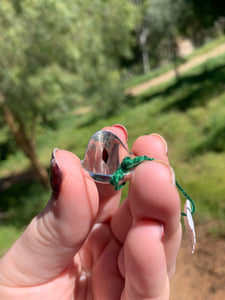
x=158, y=31
x=53, y=56
x=142, y=32
x=200, y=17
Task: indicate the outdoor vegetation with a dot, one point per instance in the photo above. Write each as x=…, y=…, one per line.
x=65, y=67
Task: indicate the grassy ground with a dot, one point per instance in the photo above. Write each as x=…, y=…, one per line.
x=189, y=113
x=210, y=45
x=8, y=235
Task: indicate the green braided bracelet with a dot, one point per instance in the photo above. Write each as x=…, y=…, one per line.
x=130, y=163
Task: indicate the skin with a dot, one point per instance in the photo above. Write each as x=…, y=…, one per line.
x=84, y=245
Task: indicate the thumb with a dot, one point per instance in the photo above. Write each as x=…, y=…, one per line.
x=53, y=237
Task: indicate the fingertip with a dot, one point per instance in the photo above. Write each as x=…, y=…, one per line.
x=153, y=145
x=120, y=131
x=66, y=159
x=73, y=173
x=160, y=141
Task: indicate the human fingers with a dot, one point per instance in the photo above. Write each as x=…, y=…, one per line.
x=145, y=263
x=153, y=196
x=53, y=237
x=122, y=221
x=143, y=197
x=152, y=145
x=160, y=151
x=106, y=281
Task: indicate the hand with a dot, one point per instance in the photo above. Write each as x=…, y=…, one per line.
x=84, y=245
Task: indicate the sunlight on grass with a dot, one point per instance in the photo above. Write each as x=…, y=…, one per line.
x=210, y=45
x=8, y=235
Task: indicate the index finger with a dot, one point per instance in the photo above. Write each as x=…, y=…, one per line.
x=153, y=145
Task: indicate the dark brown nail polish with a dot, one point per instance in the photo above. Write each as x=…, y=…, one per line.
x=56, y=177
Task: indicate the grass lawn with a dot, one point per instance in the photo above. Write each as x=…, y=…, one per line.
x=189, y=113
x=8, y=235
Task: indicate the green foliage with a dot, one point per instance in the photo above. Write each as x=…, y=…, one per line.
x=8, y=235
x=164, y=22
x=188, y=114
x=54, y=56
x=201, y=174
x=159, y=26
x=212, y=44
x=22, y=207
x=7, y=143
x=208, y=46
x=201, y=16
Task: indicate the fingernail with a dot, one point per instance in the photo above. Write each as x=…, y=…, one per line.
x=162, y=140
x=122, y=128
x=159, y=229
x=162, y=233
x=172, y=174
x=56, y=177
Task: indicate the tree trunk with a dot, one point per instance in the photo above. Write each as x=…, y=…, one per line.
x=145, y=60
x=39, y=168
x=174, y=57
x=142, y=41
x=25, y=143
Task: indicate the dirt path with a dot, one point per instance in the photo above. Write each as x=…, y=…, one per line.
x=170, y=74
x=201, y=275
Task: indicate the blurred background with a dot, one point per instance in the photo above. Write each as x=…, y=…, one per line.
x=69, y=68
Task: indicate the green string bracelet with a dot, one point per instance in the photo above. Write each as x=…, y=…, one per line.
x=129, y=164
